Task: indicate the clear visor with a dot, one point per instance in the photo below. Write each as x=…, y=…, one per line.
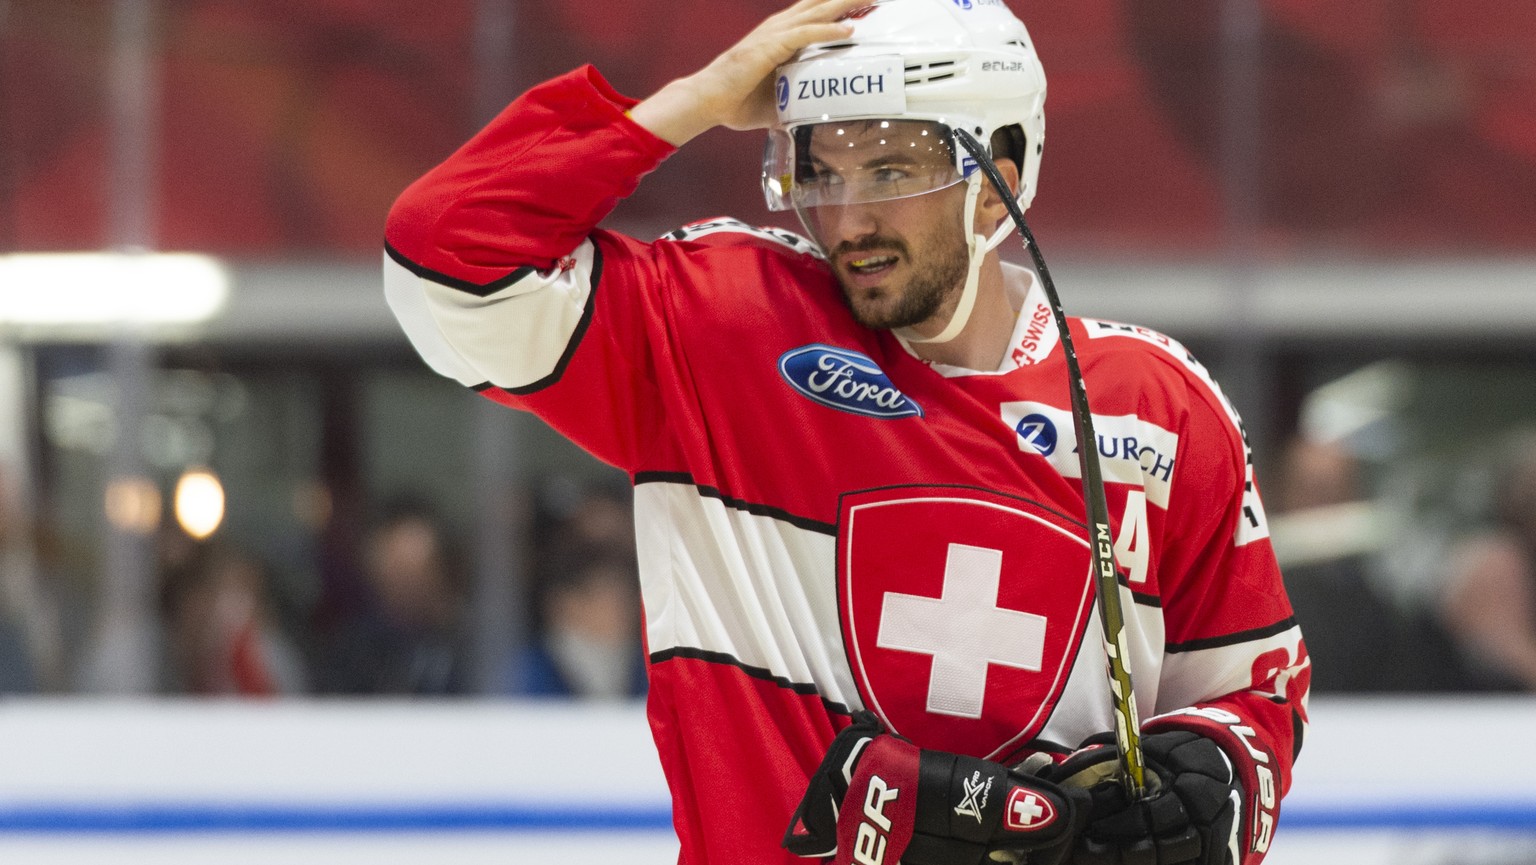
x=857, y=161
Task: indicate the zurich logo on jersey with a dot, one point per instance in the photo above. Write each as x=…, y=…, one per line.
x=782, y=91
x=1037, y=431
x=845, y=380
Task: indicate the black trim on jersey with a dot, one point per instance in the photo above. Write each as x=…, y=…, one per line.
x=802, y=688
x=1047, y=508
x=463, y=285
x=1142, y=598
x=570, y=347
x=1279, y=627
x=758, y=510
x=1298, y=731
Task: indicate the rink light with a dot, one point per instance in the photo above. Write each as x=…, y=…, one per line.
x=199, y=503
x=132, y=504
x=100, y=288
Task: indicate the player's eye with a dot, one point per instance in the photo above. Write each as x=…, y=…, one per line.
x=820, y=175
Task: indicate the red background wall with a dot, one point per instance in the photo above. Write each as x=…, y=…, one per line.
x=287, y=126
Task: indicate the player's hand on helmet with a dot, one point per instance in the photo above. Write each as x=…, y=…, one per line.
x=1189, y=815
x=736, y=88
x=876, y=799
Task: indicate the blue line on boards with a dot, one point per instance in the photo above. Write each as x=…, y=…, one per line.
x=181, y=818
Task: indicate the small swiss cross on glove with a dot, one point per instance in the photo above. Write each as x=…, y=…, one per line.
x=877, y=799
x=1190, y=813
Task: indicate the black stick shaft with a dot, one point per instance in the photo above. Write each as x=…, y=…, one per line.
x=1106, y=573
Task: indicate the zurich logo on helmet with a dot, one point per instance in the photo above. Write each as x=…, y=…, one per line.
x=845, y=380
x=1038, y=432
x=783, y=91
x=963, y=4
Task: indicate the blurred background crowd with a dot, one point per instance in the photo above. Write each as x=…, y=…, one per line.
x=1333, y=204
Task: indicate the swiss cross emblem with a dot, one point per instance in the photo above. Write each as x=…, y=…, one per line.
x=1028, y=811
x=962, y=611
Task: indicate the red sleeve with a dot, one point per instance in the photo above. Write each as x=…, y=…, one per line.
x=1236, y=668
x=530, y=186
x=498, y=273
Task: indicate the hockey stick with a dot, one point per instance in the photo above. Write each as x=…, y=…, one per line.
x=1111, y=612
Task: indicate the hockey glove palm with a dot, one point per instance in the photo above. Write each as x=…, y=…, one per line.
x=877, y=799
x=1190, y=813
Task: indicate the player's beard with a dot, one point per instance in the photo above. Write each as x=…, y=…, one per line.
x=932, y=284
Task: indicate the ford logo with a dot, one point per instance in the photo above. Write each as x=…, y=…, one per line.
x=845, y=380
x=783, y=92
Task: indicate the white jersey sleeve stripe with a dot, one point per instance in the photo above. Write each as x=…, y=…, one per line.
x=757, y=589
x=466, y=336
x=1250, y=636
x=1220, y=668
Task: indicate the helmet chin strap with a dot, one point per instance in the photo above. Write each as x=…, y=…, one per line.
x=976, y=248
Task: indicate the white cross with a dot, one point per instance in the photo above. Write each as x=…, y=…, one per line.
x=1026, y=810
x=964, y=630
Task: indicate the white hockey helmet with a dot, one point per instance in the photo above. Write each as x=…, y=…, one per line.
x=955, y=63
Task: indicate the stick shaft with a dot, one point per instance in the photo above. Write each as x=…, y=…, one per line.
x=1101, y=538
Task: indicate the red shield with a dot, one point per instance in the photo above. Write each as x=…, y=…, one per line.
x=962, y=612
x=1027, y=811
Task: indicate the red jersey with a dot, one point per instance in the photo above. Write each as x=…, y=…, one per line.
x=828, y=523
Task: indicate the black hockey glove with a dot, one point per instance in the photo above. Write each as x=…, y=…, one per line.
x=876, y=799
x=1190, y=814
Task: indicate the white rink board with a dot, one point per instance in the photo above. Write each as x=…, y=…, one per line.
x=1380, y=782
x=412, y=783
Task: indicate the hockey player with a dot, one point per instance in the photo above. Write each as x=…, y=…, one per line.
x=865, y=575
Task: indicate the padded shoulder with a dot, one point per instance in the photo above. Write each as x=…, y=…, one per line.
x=728, y=231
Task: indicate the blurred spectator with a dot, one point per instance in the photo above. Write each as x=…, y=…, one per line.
x=587, y=642
x=18, y=673
x=409, y=634
x=1315, y=473
x=1489, y=600
x=220, y=632
x=16, y=668
x=585, y=514
x=1327, y=533
x=584, y=622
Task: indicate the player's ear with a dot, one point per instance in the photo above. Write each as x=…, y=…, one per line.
x=990, y=207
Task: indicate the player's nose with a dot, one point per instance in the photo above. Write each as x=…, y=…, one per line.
x=847, y=223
